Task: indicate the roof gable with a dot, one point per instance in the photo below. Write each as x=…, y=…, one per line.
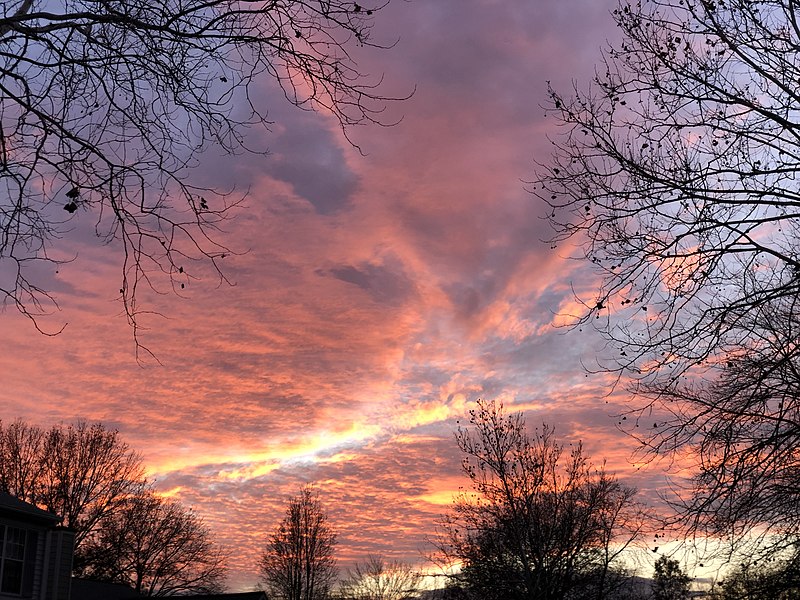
x=233, y=596
x=14, y=507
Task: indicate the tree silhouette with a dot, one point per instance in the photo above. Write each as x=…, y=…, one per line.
x=124, y=532
x=156, y=547
x=378, y=579
x=539, y=524
x=80, y=472
x=669, y=580
x=677, y=175
x=298, y=563
x=105, y=105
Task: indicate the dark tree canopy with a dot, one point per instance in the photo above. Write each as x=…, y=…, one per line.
x=677, y=176
x=298, y=562
x=106, y=104
x=773, y=580
x=540, y=523
x=670, y=582
x=157, y=548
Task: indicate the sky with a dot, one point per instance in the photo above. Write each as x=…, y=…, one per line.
x=374, y=298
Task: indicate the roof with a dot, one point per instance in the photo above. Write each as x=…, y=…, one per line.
x=234, y=596
x=23, y=510
x=87, y=589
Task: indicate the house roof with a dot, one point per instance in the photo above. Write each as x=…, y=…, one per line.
x=87, y=589
x=23, y=510
x=235, y=596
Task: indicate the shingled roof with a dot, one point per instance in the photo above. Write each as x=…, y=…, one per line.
x=24, y=510
x=234, y=596
x=86, y=589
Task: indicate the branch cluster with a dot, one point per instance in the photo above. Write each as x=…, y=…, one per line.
x=79, y=472
x=677, y=175
x=104, y=106
x=538, y=523
x=379, y=579
x=156, y=547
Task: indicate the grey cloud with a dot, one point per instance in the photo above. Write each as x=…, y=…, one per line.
x=385, y=283
x=321, y=178
x=307, y=156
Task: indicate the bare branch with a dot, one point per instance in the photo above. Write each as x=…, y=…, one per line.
x=106, y=105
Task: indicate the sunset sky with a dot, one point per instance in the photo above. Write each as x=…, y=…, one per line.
x=375, y=298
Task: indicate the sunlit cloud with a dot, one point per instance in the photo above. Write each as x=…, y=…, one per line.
x=445, y=492
x=170, y=493
x=239, y=465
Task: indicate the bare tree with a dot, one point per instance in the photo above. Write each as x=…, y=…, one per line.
x=744, y=429
x=123, y=531
x=298, y=563
x=105, y=105
x=80, y=472
x=157, y=547
x=677, y=175
x=21, y=460
x=377, y=579
x=538, y=525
